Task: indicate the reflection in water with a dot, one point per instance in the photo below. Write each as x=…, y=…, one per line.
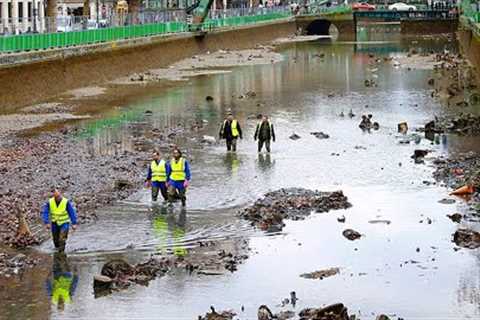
x=265, y=162
x=62, y=283
x=232, y=164
x=169, y=230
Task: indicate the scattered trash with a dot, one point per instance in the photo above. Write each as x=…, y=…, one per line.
x=333, y=312
x=402, y=127
x=213, y=315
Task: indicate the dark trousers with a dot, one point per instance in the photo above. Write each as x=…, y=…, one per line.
x=60, y=235
x=261, y=143
x=231, y=144
x=177, y=193
x=159, y=186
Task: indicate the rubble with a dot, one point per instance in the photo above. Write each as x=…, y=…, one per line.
x=351, y=234
x=419, y=155
x=294, y=136
x=466, y=238
x=269, y=212
x=321, y=274
x=332, y=312
x=320, y=135
x=213, y=315
x=456, y=217
x=15, y=263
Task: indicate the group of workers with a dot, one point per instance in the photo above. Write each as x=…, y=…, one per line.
x=170, y=178
x=230, y=130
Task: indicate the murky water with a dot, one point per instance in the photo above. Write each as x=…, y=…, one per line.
x=373, y=169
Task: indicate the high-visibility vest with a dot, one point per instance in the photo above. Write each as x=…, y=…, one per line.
x=233, y=126
x=159, y=171
x=59, y=214
x=61, y=289
x=260, y=124
x=178, y=170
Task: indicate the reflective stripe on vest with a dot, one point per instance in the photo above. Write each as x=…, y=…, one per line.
x=233, y=126
x=178, y=170
x=159, y=171
x=259, y=125
x=59, y=214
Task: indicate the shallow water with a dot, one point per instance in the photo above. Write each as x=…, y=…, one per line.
x=373, y=169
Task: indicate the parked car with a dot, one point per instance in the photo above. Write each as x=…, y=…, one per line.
x=363, y=6
x=400, y=6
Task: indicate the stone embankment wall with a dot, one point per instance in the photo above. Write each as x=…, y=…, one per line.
x=34, y=77
x=419, y=27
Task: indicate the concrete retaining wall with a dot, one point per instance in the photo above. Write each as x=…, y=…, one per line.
x=28, y=82
x=419, y=27
x=470, y=47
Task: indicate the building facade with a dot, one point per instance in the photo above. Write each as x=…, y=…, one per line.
x=22, y=16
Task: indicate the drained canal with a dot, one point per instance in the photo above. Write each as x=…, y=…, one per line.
x=407, y=267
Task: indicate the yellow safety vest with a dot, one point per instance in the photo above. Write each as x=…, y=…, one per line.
x=59, y=214
x=178, y=170
x=260, y=124
x=61, y=289
x=234, y=127
x=159, y=171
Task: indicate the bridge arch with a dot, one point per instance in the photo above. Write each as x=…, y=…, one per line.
x=320, y=27
x=323, y=26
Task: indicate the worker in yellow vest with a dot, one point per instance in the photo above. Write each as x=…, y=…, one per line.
x=230, y=131
x=58, y=214
x=62, y=287
x=179, y=178
x=157, y=176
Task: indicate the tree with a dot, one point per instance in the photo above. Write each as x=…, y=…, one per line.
x=51, y=15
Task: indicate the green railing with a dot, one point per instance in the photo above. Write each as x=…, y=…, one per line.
x=44, y=41
x=470, y=16
x=19, y=43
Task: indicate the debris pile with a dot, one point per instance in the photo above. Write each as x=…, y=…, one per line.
x=15, y=263
x=320, y=135
x=467, y=238
x=351, y=234
x=464, y=169
x=213, y=315
x=332, y=312
x=292, y=203
x=321, y=274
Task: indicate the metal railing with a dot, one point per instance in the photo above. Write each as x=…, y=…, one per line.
x=470, y=16
x=79, y=23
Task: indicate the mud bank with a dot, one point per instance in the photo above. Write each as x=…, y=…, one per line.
x=25, y=84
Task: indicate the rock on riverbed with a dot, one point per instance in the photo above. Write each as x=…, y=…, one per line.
x=269, y=212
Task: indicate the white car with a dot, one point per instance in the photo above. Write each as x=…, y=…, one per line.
x=400, y=6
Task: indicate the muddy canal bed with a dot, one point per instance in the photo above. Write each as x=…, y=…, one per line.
x=403, y=265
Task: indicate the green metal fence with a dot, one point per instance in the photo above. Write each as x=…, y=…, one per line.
x=470, y=16
x=19, y=43
x=44, y=41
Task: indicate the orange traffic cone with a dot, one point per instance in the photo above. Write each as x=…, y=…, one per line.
x=466, y=189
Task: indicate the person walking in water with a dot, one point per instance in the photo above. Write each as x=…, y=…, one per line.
x=58, y=213
x=179, y=178
x=230, y=131
x=264, y=133
x=157, y=176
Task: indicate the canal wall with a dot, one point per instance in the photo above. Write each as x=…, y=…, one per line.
x=34, y=77
x=470, y=46
x=416, y=27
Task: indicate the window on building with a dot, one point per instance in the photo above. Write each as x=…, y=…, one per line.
x=30, y=10
x=20, y=9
